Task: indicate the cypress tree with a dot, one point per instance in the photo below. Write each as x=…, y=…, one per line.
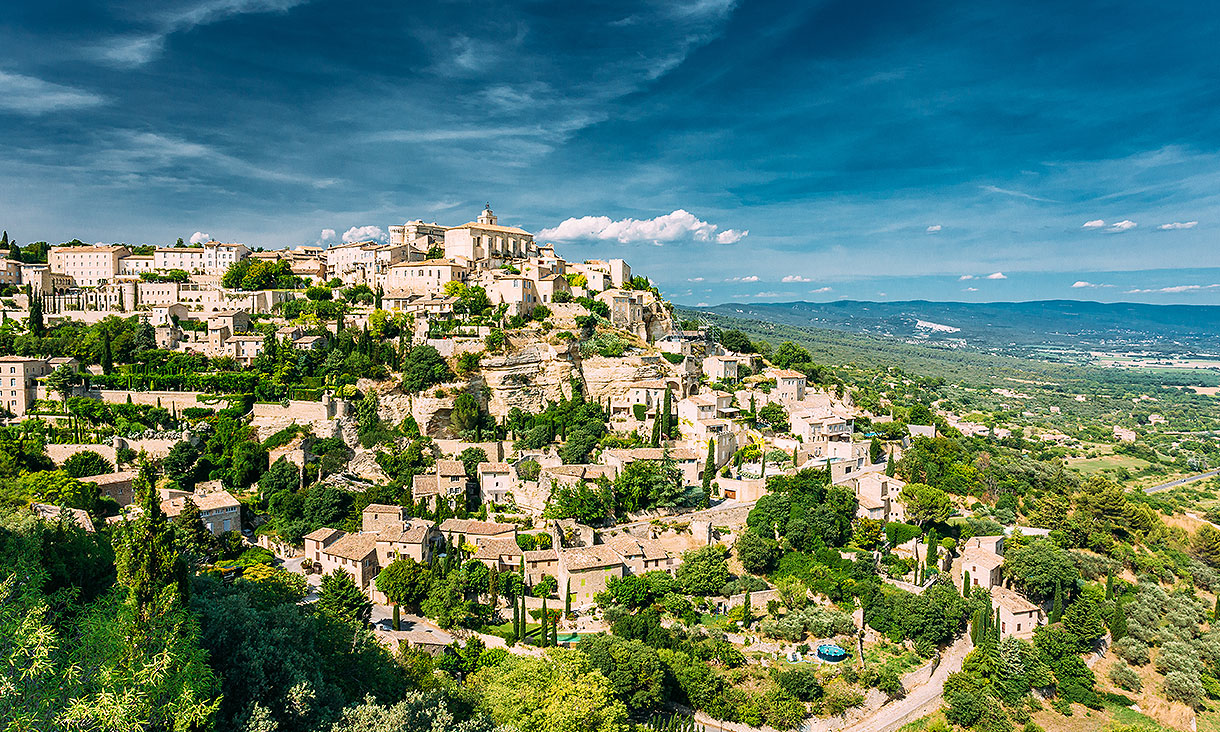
x=37, y=326
x=966, y=583
x=656, y=430
x=709, y=470
x=1216, y=610
x=567, y=598
x=668, y=414
x=1057, y=610
x=107, y=357
x=746, y=611
x=889, y=466
x=516, y=618
x=1118, y=622
x=546, y=619
x=1109, y=586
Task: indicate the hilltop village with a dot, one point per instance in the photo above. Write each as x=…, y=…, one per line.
x=455, y=457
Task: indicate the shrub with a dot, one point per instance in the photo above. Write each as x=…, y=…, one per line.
x=1125, y=677
x=1185, y=687
x=1132, y=650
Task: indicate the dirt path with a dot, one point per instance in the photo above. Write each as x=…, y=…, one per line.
x=922, y=700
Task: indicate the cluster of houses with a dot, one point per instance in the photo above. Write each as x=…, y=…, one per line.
x=410, y=274
x=387, y=534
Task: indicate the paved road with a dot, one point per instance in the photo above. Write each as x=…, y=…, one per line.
x=922, y=701
x=1181, y=481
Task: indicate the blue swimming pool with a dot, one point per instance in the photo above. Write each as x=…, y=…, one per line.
x=831, y=652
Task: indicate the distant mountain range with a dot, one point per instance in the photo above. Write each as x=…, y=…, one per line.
x=1007, y=326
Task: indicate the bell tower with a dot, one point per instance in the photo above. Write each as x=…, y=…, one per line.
x=487, y=218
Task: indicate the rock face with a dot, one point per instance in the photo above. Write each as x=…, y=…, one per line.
x=528, y=378
x=613, y=377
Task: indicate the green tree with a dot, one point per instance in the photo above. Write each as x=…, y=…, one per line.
x=559, y=692
x=37, y=327
x=283, y=475
x=925, y=504
x=191, y=538
x=341, y=598
x=758, y=554
x=1206, y=544
x=709, y=472
x=635, y=671
x=106, y=358
x=58, y=488
x=61, y=381
x=404, y=582
x=87, y=463
x=704, y=571
x=1039, y=567
x=149, y=564
x=423, y=367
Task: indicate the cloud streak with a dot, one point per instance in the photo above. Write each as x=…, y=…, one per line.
x=678, y=226
x=32, y=96
x=1178, y=225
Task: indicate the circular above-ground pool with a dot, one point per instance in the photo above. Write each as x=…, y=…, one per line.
x=831, y=652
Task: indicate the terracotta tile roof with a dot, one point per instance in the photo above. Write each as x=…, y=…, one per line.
x=581, y=472
x=498, y=549
x=206, y=502
x=626, y=545
x=653, y=453
x=542, y=555
x=406, y=532
x=48, y=512
x=382, y=508
x=787, y=374
x=472, y=527
x=322, y=535
x=423, y=485
x=450, y=469
x=494, y=468
x=590, y=557
x=983, y=557
x=353, y=546
x=1011, y=601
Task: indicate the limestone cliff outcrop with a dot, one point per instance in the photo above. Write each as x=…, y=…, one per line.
x=529, y=377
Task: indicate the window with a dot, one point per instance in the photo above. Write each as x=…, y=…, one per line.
x=1018, y=627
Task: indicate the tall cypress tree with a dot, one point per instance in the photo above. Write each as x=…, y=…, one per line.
x=668, y=414
x=107, y=357
x=966, y=583
x=567, y=598
x=709, y=470
x=148, y=563
x=37, y=325
x=1118, y=622
x=546, y=620
x=1057, y=609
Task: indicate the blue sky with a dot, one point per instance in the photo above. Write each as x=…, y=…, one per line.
x=729, y=150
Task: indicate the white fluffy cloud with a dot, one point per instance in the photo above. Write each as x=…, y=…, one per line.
x=363, y=233
x=963, y=278
x=677, y=226
x=933, y=228
x=997, y=276
x=1094, y=224
x=819, y=291
x=1081, y=283
x=1178, y=225
x=971, y=289
x=795, y=278
x=1121, y=226
x=327, y=235
x=199, y=237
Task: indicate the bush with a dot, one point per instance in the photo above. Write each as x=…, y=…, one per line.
x=1132, y=650
x=1125, y=677
x=1185, y=687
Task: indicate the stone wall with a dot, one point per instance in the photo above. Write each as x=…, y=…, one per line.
x=450, y=347
x=60, y=453
x=180, y=399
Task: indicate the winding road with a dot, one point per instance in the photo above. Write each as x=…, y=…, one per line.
x=1181, y=481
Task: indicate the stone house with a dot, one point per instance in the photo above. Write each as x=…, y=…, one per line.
x=219, y=511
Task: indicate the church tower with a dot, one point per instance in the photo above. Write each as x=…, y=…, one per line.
x=487, y=218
